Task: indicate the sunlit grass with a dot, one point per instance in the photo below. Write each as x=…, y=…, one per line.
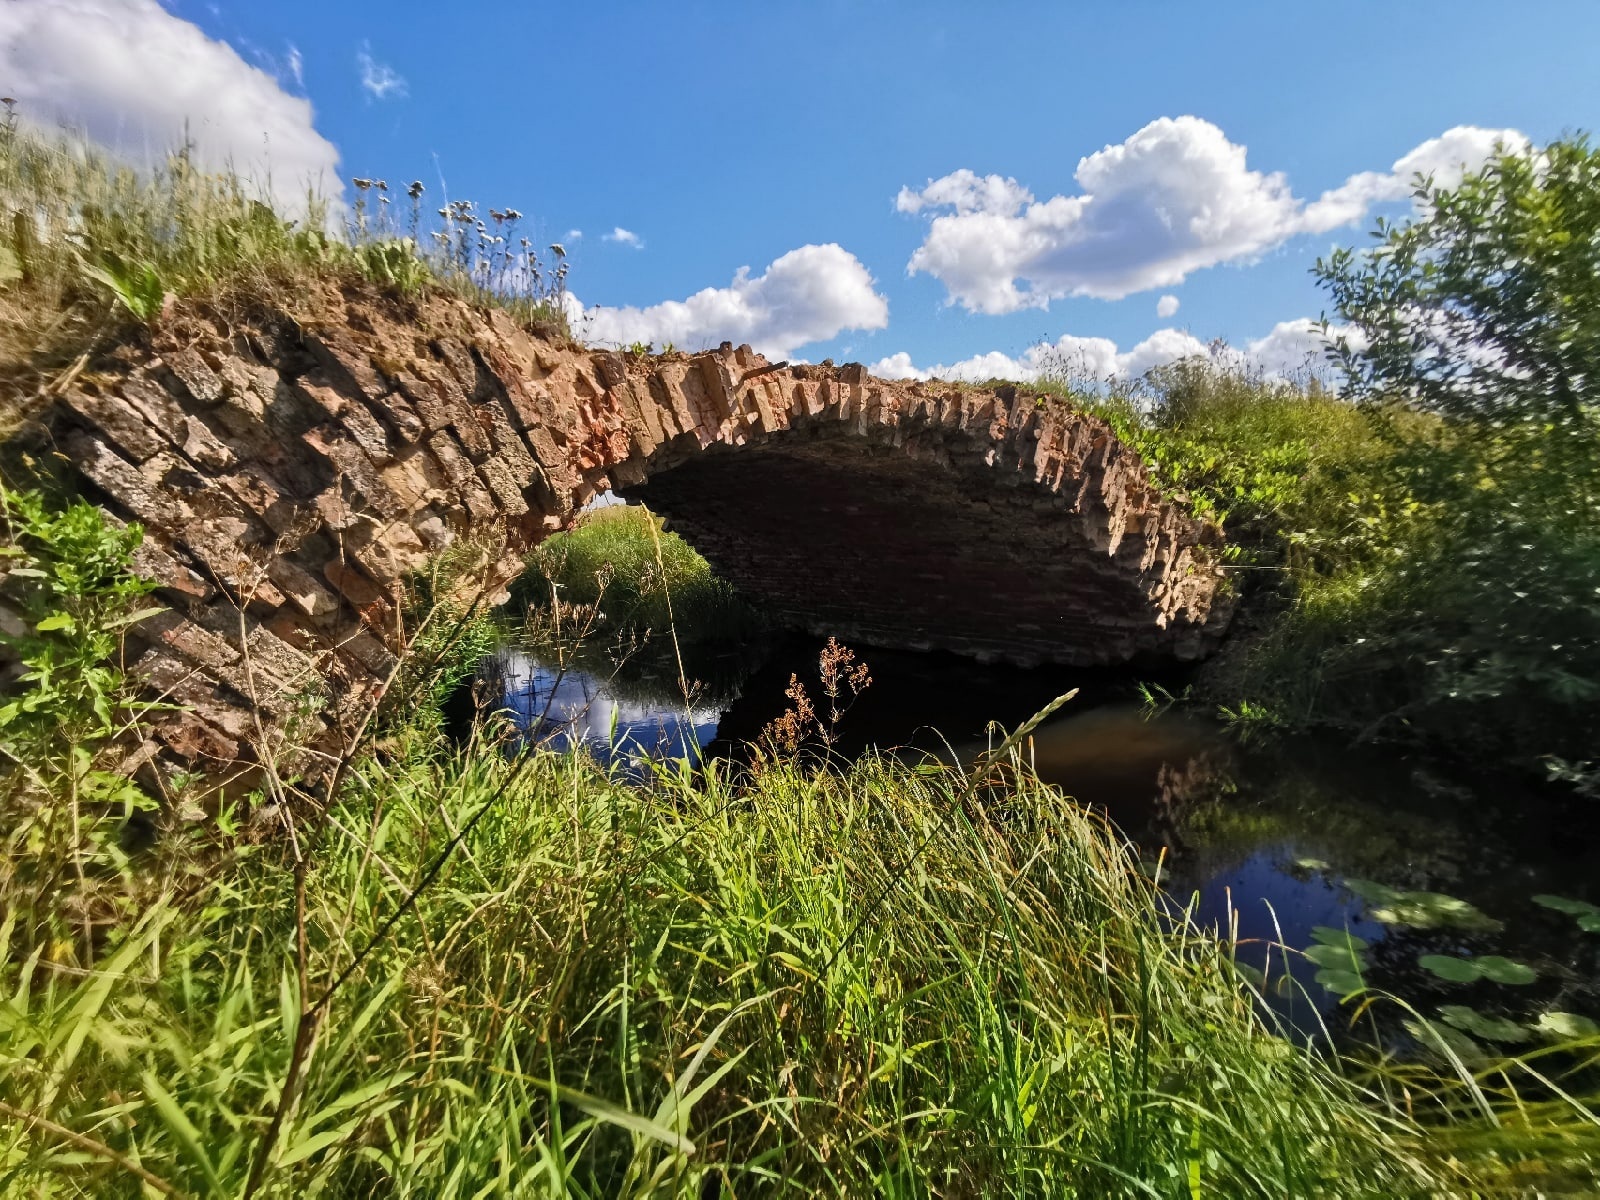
x=848, y=982
x=642, y=577
x=91, y=248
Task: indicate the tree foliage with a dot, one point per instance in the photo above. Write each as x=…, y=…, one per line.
x=1471, y=612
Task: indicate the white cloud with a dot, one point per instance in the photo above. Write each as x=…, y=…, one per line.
x=1081, y=358
x=1176, y=197
x=966, y=192
x=133, y=77
x=808, y=295
x=624, y=237
x=1292, y=350
x=1166, y=306
x=1296, y=349
x=297, y=66
x=1445, y=159
x=379, y=80
x=573, y=235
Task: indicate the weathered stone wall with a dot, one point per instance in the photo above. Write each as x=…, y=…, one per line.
x=291, y=469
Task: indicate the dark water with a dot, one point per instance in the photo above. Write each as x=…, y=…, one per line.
x=1268, y=842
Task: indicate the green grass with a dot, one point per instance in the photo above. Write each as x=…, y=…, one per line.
x=473, y=974
x=616, y=990
x=91, y=248
x=641, y=578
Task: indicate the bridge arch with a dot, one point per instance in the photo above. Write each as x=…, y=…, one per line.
x=292, y=467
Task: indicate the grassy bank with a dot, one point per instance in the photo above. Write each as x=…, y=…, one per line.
x=624, y=599
x=618, y=990
x=469, y=972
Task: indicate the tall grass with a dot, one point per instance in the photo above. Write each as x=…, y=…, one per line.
x=641, y=577
x=91, y=246
x=619, y=990
x=484, y=973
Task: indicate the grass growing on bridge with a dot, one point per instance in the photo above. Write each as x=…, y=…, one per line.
x=91, y=248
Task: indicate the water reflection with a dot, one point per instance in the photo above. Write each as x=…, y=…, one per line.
x=567, y=708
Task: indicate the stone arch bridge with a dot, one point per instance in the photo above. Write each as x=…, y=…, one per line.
x=291, y=468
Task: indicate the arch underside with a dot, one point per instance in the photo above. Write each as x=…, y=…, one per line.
x=885, y=541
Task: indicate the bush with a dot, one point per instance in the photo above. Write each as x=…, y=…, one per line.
x=642, y=579
x=67, y=594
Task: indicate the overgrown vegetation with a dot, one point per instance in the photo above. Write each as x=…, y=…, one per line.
x=620, y=596
x=91, y=247
x=519, y=974
x=489, y=970
x=66, y=597
x=1432, y=536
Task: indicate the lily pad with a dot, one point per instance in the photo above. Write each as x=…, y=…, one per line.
x=1312, y=864
x=1446, y=1040
x=1339, y=958
x=1565, y=904
x=1590, y=922
x=1493, y=1029
x=1434, y=910
x=1566, y=1025
x=1371, y=892
x=1503, y=970
x=1330, y=936
x=1456, y=970
x=1341, y=983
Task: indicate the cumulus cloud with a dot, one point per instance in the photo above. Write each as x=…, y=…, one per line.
x=572, y=235
x=1085, y=358
x=133, y=77
x=808, y=295
x=1176, y=197
x=1292, y=350
x=379, y=80
x=624, y=237
x=1166, y=306
x=1295, y=349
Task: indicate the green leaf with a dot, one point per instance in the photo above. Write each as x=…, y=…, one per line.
x=1566, y=1025
x=1341, y=983
x=1446, y=1041
x=1493, y=1029
x=611, y=1114
x=1563, y=904
x=183, y=1129
x=1372, y=893
x=1339, y=958
x=1456, y=970
x=1503, y=970
x=1330, y=936
x=55, y=621
x=135, y=617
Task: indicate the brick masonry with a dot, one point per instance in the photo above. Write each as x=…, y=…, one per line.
x=290, y=470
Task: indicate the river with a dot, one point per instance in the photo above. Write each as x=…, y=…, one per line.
x=1301, y=842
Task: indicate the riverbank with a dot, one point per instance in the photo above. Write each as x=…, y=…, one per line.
x=463, y=968
x=846, y=982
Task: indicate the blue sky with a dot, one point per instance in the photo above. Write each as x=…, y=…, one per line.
x=727, y=136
